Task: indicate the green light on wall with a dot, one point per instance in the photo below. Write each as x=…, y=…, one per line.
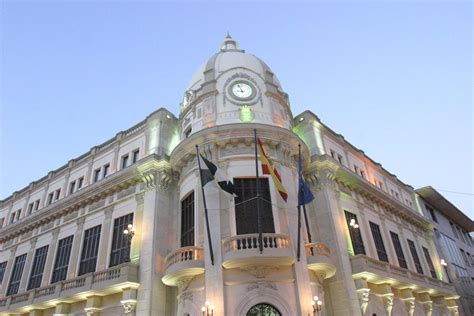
x=246, y=114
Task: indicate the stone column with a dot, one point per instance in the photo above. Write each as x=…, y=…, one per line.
x=425, y=300
x=93, y=305
x=363, y=293
x=76, y=249
x=105, y=240
x=8, y=271
x=333, y=231
x=26, y=269
x=384, y=291
x=408, y=298
x=129, y=301
x=49, y=266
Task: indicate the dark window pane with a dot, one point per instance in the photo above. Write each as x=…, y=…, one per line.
x=246, y=206
x=430, y=262
x=62, y=259
x=187, y=221
x=120, y=251
x=399, y=250
x=379, y=245
x=356, y=237
x=38, y=268
x=415, y=257
x=90, y=249
x=17, y=272
x=3, y=266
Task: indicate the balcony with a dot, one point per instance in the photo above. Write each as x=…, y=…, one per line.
x=242, y=251
x=318, y=256
x=184, y=263
x=110, y=281
x=379, y=272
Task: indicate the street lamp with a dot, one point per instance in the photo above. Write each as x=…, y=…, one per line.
x=353, y=223
x=208, y=309
x=129, y=232
x=317, y=305
x=443, y=263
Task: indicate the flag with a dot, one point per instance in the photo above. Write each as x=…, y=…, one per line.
x=267, y=168
x=209, y=172
x=304, y=193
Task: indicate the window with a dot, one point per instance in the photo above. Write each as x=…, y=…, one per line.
x=50, y=198
x=432, y=213
x=62, y=259
x=30, y=208
x=38, y=268
x=245, y=208
x=333, y=153
x=80, y=182
x=37, y=203
x=18, y=214
x=187, y=221
x=16, y=274
x=124, y=163
x=106, y=170
x=378, y=240
x=356, y=169
x=120, y=251
x=463, y=254
x=415, y=257
x=356, y=237
x=263, y=309
x=339, y=158
x=2, y=221
x=12, y=217
x=57, y=194
x=3, y=266
x=90, y=249
x=454, y=230
x=72, y=187
x=96, y=175
x=187, y=133
x=399, y=251
x=430, y=262
x=136, y=155
x=362, y=174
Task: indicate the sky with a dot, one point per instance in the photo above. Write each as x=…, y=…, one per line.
x=393, y=77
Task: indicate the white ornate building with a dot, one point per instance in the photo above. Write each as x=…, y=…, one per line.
x=63, y=250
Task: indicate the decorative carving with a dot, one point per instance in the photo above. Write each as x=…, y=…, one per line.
x=183, y=283
x=140, y=198
x=260, y=272
x=92, y=311
x=261, y=285
x=428, y=307
x=128, y=306
x=453, y=310
x=410, y=305
x=149, y=181
x=185, y=296
x=363, y=295
x=320, y=276
x=388, y=303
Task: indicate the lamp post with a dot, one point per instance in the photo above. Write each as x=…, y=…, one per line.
x=129, y=232
x=317, y=305
x=353, y=223
x=207, y=309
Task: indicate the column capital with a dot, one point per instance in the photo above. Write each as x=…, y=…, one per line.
x=128, y=306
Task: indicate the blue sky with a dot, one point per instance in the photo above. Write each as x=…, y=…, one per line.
x=393, y=77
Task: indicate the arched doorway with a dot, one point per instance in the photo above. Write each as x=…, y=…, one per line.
x=263, y=309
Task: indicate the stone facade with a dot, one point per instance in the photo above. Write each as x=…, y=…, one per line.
x=143, y=176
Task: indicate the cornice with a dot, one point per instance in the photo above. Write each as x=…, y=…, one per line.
x=115, y=182
x=331, y=170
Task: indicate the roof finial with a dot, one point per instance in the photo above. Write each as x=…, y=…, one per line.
x=229, y=44
x=228, y=35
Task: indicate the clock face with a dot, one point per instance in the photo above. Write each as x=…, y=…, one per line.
x=242, y=90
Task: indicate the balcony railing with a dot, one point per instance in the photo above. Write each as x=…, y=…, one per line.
x=244, y=250
x=125, y=273
x=183, y=263
x=318, y=256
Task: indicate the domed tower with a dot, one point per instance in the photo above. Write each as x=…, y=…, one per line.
x=232, y=95
x=233, y=87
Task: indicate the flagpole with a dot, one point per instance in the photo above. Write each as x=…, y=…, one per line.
x=205, y=207
x=304, y=205
x=259, y=220
x=298, y=251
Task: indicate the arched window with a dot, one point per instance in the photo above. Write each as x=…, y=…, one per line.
x=263, y=309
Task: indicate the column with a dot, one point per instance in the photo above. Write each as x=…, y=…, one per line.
x=384, y=291
x=129, y=301
x=425, y=300
x=388, y=242
x=93, y=305
x=76, y=248
x=421, y=255
x=408, y=298
x=105, y=240
x=8, y=271
x=62, y=309
x=27, y=267
x=363, y=293
x=366, y=234
x=64, y=191
x=49, y=265
x=46, y=188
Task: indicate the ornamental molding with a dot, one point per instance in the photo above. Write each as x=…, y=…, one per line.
x=363, y=295
x=185, y=296
x=410, y=305
x=79, y=200
x=259, y=272
x=261, y=285
x=128, y=306
x=387, y=300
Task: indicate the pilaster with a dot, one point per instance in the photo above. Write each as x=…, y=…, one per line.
x=8, y=271
x=105, y=240
x=49, y=259
x=76, y=248
x=27, y=267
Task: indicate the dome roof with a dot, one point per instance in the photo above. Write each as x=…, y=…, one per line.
x=230, y=56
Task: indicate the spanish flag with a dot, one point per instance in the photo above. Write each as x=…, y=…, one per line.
x=268, y=168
